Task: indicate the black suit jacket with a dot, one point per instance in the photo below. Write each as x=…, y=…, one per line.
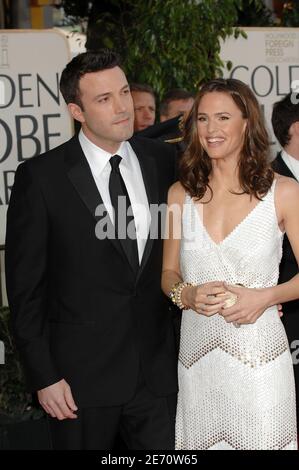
x=167, y=131
x=78, y=311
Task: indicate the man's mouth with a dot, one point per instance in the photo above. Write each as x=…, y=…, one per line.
x=122, y=121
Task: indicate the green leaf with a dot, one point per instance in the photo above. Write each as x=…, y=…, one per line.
x=229, y=65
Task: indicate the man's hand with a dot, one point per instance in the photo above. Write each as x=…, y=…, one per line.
x=280, y=312
x=57, y=400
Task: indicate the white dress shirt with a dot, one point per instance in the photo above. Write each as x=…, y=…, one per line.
x=292, y=163
x=98, y=160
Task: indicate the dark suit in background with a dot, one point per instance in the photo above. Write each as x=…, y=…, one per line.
x=288, y=269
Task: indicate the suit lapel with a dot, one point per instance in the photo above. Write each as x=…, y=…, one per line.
x=279, y=165
x=80, y=175
x=150, y=179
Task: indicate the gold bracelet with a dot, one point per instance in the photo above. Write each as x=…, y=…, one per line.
x=176, y=292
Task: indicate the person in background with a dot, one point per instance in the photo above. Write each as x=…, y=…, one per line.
x=176, y=102
x=144, y=106
x=175, y=106
x=285, y=123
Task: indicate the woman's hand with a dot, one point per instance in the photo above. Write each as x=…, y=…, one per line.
x=250, y=305
x=202, y=299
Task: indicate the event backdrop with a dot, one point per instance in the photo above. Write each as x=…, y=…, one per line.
x=268, y=61
x=34, y=118
x=33, y=115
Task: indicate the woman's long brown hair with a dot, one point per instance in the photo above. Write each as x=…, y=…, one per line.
x=255, y=173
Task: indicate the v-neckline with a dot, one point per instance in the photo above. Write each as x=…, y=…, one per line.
x=242, y=221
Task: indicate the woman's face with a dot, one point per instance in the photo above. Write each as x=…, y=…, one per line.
x=220, y=126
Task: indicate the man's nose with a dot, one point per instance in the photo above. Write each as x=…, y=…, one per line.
x=148, y=114
x=119, y=106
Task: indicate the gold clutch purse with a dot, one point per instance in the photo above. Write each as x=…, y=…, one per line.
x=231, y=301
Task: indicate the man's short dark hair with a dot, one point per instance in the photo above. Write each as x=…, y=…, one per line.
x=91, y=61
x=143, y=88
x=284, y=114
x=173, y=95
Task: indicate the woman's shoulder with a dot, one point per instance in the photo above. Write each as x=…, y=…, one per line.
x=287, y=190
x=176, y=193
x=177, y=189
x=286, y=185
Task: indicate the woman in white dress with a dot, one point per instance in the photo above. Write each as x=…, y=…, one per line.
x=236, y=384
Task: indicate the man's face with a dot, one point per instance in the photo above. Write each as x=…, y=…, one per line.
x=145, y=110
x=177, y=108
x=107, y=112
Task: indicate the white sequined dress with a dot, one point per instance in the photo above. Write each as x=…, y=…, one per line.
x=236, y=385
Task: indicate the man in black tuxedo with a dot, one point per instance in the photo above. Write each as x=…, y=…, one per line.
x=90, y=320
x=285, y=123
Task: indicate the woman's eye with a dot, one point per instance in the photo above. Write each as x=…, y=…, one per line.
x=201, y=119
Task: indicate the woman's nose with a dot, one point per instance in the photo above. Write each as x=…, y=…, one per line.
x=211, y=125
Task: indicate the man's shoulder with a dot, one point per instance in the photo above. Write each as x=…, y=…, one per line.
x=51, y=158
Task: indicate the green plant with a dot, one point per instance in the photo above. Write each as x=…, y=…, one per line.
x=177, y=44
x=165, y=43
x=14, y=399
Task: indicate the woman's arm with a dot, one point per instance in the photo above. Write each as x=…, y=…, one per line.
x=253, y=302
x=199, y=298
x=171, y=273
x=288, y=207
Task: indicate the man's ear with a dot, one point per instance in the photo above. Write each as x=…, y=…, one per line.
x=76, y=112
